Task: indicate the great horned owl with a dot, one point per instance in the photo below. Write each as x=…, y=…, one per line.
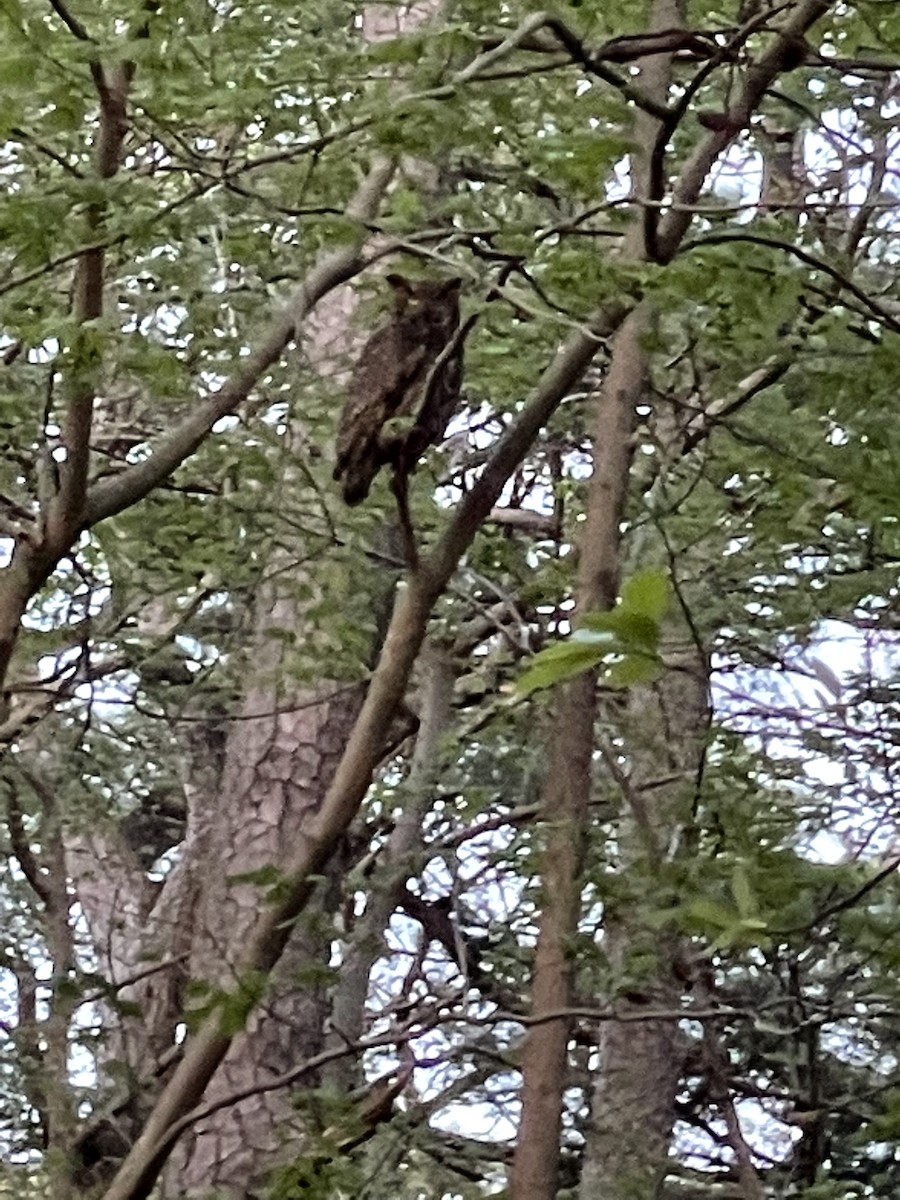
x=784, y=185
x=402, y=393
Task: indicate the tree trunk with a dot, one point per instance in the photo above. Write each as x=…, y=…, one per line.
x=640, y=1059
x=281, y=757
x=569, y=783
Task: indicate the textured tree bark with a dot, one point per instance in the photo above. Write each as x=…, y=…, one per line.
x=282, y=748
x=545, y=1050
x=281, y=756
x=640, y=1062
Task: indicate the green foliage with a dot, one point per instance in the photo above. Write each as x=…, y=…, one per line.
x=239, y=599
x=623, y=643
x=317, y=1176
x=230, y=1007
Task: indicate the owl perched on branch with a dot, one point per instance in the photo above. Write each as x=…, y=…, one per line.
x=404, y=388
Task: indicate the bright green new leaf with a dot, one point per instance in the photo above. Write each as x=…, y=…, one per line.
x=742, y=891
x=627, y=636
x=558, y=663
x=632, y=670
x=647, y=592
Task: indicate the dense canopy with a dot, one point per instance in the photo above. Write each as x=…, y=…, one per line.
x=531, y=835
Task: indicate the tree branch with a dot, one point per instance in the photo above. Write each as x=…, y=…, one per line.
x=70, y=21
x=759, y=76
x=878, y=311
x=112, y=495
x=63, y=513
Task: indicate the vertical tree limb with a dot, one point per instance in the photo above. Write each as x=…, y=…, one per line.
x=569, y=782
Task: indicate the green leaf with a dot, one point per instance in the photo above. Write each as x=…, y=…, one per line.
x=233, y=1007
x=632, y=670
x=597, y=622
x=711, y=915
x=17, y=72
x=635, y=630
x=396, y=50
x=627, y=636
x=558, y=663
x=742, y=891
x=648, y=593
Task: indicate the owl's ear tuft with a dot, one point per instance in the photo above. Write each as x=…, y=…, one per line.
x=399, y=283
x=449, y=286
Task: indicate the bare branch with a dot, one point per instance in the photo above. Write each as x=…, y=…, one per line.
x=70, y=21
x=526, y=520
x=21, y=847
x=779, y=57
x=62, y=515
x=878, y=311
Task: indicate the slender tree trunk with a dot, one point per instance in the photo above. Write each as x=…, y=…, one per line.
x=366, y=940
x=569, y=783
x=640, y=1061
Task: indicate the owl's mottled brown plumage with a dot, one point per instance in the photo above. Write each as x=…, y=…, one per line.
x=399, y=401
